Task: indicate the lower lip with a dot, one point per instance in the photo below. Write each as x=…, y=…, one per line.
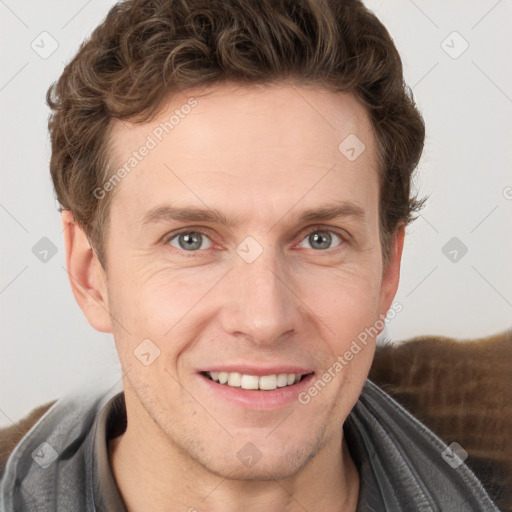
x=257, y=399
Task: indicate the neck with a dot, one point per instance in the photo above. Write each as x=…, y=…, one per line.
x=158, y=476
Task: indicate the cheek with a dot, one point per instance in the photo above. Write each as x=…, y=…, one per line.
x=345, y=299
x=346, y=305
x=154, y=301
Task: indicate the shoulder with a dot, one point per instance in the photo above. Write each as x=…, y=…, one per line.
x=408, y=463
x=63, y=438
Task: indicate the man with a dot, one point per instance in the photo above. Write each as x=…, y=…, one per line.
x=235, y=185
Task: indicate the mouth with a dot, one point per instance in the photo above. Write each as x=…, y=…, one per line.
x=256, y=382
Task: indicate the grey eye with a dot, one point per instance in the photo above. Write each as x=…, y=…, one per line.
x=320, y=240
x=191, y=241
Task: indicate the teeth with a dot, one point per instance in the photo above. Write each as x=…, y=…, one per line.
x=235, y=380
x=248, y=382
x=268, y=382
x=282, y=380
x=265, y=382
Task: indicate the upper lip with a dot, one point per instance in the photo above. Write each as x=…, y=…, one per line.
x=257, y=370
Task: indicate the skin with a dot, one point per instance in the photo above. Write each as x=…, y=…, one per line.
x=261, y=156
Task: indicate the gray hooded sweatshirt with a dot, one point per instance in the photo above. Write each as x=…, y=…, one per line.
x=62, y=463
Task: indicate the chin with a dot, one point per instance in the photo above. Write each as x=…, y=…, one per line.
x=269, y=462
x=269, y=470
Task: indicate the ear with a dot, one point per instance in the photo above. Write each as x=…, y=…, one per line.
x=391, y=273
x=86, y=275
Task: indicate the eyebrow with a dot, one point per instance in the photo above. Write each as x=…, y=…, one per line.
x=334, y=211
x=325, y=212
x=170, y=213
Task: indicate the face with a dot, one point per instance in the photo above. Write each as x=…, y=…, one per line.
x=244, y=245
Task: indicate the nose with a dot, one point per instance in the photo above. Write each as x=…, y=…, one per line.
x=260, y=303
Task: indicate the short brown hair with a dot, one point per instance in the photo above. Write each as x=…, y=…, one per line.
x=145, y=50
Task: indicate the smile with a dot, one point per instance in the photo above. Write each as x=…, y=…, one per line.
x=263, y=382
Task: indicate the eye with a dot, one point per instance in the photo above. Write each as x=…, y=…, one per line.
x=190, y=241
x=321, y=239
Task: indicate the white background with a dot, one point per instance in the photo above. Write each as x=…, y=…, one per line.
x=47, y=346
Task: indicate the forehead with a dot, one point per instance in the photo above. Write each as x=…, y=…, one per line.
x=246, y=146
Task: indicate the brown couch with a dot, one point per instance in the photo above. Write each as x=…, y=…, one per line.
x=462, y=390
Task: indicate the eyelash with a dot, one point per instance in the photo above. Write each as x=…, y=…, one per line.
x=312, y=229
